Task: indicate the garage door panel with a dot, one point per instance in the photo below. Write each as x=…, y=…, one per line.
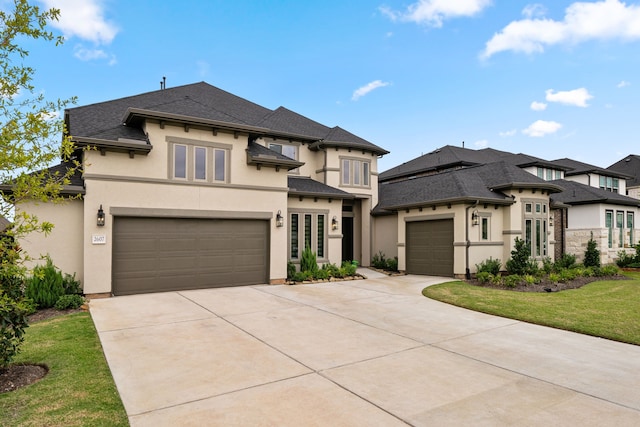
x=161, y=254
x=430, y=247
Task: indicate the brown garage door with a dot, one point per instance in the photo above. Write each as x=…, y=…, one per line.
x=165, y=254
x=430, y=247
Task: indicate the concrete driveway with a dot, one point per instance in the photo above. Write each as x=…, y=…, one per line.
x=356, y=353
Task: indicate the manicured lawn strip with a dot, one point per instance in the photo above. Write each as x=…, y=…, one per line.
x=607, y=309
x=78, y=390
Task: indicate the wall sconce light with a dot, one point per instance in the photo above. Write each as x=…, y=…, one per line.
x=279, y=219
x=551, y=220
x=334, y=223
x=100, y=217
x=474, y=218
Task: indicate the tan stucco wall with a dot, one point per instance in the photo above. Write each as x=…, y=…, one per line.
x=385, y=235
x=64, y=243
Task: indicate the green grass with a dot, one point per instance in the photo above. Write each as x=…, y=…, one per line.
x=607, y=309
x=78, y=390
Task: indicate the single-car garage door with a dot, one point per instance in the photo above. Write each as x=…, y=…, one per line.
x=430, y=247
x=166, y=254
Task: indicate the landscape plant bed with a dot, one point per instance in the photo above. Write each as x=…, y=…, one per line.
x=330, y=279
x=545, y=284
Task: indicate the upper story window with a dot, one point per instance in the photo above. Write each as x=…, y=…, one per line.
x=206, y=163
x=609, y=183
x=549, y=174
x=355, y=173
x=289, y=150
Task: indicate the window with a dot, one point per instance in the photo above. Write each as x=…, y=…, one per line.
x=180, y=161
x=204, y=163
x=558, y=174
x=200, y=161
x=608, y=215
x=620, y=227
x=484, y=228
x=630, y=228
x=547, y=174
x=536, y=221
x=309, y=228
x=541, y=173
x=288, y=150
x=609, y=183
x=355, y=173
x=220, y=165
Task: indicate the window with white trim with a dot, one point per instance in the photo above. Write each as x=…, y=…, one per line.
x=307, y=229
x=536, y=222
x=355, y=172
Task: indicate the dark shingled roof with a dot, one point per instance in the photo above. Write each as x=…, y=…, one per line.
x=629, y=165
x=481, y=183
x=575, y=193
x=305, y=186
x=452, y=157
x=199, y=101
x=580, y=168
x=258, y=154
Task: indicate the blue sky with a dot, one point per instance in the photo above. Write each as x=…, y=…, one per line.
x=552, y=79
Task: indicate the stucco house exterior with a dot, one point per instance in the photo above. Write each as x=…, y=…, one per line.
x=630, y=166
x=454, y=207
x=191, y=187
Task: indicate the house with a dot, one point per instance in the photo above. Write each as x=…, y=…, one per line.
x=454, y=207
x=630, y=166
x=192, y=187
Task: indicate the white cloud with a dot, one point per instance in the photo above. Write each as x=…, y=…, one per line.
x=606, y=19
x=434, y=12
x=622, y=84
x=508, y=133
x=362, y=91
x=83, y=19
x=538, y=106
x=576, y=97
x=541, y=128
x=84, y=54
x=534, y=10
x=483, y=143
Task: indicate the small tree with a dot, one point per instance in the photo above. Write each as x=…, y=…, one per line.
x=29, y=145
x=519, y=262
x=592, y=254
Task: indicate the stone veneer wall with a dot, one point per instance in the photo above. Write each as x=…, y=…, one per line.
x=576, y=243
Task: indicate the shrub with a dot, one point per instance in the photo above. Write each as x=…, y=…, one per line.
x=484, y=277
x=519, y=262
x=13, y=322
x=512, y=281
x=592, y=254
x=321, y=274
x=45, y=286
x=379, y=261
x=554, y=278
x=547, y=265
x=301, y=276
x=291, y=270
x=71, y=285
x=497, y=280
x=530, y=280
x=392, y=264
x=349, y=268
x=489, y=265
x=331, y=269
x=567, y=275
x=624, y=259
x=308, y=261
x=608, y=270
x=69, y=301
x=566, y=261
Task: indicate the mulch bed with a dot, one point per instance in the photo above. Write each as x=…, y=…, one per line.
x=546, y=285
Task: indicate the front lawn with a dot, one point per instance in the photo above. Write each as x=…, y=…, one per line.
x=607, y=309
x=78, y=390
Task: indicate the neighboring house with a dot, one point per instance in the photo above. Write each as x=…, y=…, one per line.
x=193, y=187
x=630, y=166
x=454, y=207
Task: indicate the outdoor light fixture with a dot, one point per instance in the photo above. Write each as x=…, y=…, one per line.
x=474, y=218
x=279, y=219
x=100, y=217
x=334, y=223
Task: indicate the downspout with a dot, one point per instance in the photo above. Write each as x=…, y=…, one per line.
x=466, y=231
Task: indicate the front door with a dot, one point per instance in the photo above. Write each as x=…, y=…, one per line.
x=347, y=238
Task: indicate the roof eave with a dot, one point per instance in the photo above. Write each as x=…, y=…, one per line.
x=143, y=147
x=353, y=145
x=272, y=162
x=296, y=193
x=456, y=200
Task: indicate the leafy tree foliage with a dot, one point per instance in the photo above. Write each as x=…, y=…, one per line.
x=29, y=144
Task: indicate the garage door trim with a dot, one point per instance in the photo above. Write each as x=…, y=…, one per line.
x=186, y=213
